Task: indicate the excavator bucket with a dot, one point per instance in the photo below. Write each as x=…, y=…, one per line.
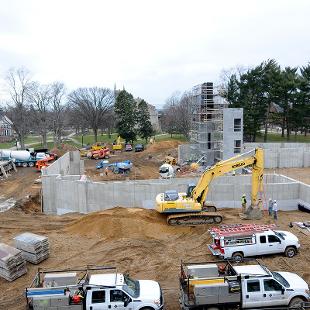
x=252, y=213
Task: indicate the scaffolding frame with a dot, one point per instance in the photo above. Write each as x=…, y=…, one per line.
x=207, y=121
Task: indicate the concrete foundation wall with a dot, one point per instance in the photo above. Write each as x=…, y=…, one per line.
x=283, y=155
x=71, y=193
x=67, y=164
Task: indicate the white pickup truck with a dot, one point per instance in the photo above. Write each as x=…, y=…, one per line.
x=81, y=290
x=239, y=244
x=222, y=285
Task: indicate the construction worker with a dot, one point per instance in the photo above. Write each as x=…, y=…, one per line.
x=243, y=203
x=275, y=210
x=270, y=205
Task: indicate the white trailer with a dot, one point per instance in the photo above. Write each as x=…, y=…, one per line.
x=92, y=288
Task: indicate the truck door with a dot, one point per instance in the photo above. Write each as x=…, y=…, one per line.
x=274, y=294
x=274, y=244
x=252, y=293
x=96, y=300
x=263, y=245
x=119, y=300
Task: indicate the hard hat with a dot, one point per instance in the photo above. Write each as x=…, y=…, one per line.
x=270, y=199
x=243, y=195
x=274, y=201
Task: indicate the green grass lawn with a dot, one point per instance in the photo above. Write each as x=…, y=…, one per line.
x=274, y=137
x=89, y=138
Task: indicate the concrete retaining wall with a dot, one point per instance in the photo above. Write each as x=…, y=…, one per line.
x=284, y=155
x=72, y=193
x=67, y=164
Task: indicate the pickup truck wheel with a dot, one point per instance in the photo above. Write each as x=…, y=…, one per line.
x=296, y=301
x=237, y=257
x=290, y=251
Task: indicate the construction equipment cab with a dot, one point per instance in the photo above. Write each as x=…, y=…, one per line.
x=222, y=285
x=190, y=208
x=237, y=241
x=85, y=289
x=117, y=146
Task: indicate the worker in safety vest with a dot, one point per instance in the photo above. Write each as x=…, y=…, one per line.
x=243, y=203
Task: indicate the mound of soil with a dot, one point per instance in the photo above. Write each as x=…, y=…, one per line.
x=121, y=222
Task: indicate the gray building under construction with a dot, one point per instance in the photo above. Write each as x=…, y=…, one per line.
x=216, y=130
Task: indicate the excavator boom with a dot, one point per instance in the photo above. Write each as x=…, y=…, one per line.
x=189, y=209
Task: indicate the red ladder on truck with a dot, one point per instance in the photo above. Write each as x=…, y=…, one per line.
x=235, y=229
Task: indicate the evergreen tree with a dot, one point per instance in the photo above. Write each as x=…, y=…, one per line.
x=145, y=128
x=125, y=110
x=304, y=100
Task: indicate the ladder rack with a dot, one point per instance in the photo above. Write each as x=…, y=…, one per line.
x=237, y=229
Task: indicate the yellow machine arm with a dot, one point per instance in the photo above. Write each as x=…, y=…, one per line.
x=240, y=161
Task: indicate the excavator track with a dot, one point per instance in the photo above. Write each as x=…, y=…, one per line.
x=193, y=219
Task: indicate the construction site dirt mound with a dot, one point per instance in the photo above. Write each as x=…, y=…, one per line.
x=63, y=148
x=162, y=146
x=145, y=164
x=136, y=241
x=121, y=222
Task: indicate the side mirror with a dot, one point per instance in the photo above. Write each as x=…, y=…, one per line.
x=127, y=302
x=282, y=291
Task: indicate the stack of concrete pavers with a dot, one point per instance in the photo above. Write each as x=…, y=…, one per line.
x=35, y=248
x=12, y=263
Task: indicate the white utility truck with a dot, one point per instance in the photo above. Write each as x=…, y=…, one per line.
x=222, y=285
x=92, y=288
x=245, y=240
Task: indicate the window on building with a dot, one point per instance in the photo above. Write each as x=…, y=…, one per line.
x=237, y=124
x=98, y=297
x=209, y=140
x=237, y=146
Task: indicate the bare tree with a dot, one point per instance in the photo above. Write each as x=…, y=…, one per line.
x=92, y=104
x=109, y=122
x=184, y=114
x=169, y=121
x=41, y=97
x=18, y=83
x=58, y=109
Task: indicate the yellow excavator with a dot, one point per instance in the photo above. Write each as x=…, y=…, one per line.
x=190, y=209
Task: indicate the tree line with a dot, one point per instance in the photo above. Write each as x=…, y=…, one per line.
x=41, y=108
x=270, y=95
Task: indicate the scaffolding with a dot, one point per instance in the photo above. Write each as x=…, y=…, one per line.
x=207, y=122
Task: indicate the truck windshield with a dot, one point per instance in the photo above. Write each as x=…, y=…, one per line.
x=279, y=278
x=280, y=235
x=132, y=287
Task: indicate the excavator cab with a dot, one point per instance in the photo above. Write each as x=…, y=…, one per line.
x=190, y=188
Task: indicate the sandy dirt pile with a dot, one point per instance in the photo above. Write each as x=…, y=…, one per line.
x=134, y=240
x=63, y=148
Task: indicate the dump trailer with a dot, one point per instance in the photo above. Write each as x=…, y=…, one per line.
x=225, y=285
x=91, y=288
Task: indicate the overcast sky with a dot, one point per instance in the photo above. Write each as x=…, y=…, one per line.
x=153, y=48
